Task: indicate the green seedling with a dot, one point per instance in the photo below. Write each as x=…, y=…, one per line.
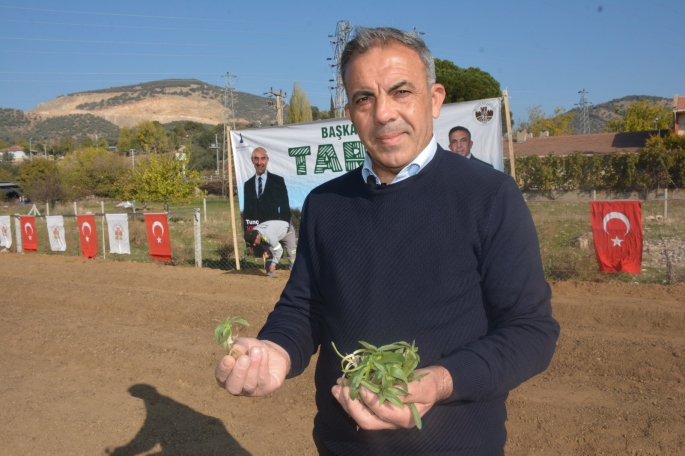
x=224, y=333
x=382, y=370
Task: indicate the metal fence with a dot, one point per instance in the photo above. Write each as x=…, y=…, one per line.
x=203, y=237
x=199, y=238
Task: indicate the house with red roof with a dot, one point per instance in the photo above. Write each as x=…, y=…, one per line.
x=592, y=144
x=679, y=115
x=17, y=153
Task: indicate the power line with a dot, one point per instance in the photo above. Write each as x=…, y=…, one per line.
x=630, y=30
x=148, y=43
x=144, y=27
x=146, y=16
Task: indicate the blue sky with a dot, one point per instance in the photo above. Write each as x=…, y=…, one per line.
x=542, y=51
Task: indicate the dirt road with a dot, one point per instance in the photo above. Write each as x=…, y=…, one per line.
x=104, y=357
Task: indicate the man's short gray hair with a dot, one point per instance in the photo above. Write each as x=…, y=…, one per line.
x=369, y=38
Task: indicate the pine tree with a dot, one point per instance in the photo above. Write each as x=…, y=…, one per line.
x=299, y=109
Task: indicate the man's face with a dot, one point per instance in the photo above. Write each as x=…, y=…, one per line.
x=257, y=241
x=391, y=106
x=260, y=160
x=460, y=143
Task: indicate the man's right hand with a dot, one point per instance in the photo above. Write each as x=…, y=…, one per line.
x=259, y=370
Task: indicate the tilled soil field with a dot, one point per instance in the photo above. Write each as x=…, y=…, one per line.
x=104, y=357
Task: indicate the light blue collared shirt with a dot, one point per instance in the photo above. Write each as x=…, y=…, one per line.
x=411, y=169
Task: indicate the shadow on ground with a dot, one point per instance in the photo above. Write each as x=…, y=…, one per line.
x=176, y=429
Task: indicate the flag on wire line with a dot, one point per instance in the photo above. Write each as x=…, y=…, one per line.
x=158, y=236
x=5, y=232
x=87, y=235
x=56, y=233
x=117, y=226
x=617, y=234
x=28, y=233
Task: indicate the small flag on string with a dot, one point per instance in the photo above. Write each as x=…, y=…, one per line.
x=28, y=233
x=617, y=234
x=56, y=233
x=87, y=235
x=158, y=236
x=5, y=232
x=117, y=226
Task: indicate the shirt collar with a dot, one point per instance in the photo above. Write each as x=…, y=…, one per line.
x=411, y=169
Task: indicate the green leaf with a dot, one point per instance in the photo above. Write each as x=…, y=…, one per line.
x=393, y=400
x=371, y=386
x=397, y=391
x=368, y=346
x=417, y=417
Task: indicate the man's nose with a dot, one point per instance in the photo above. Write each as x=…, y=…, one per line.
x=383, y=111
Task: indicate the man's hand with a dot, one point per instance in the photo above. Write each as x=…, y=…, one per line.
x=259, y=370
x=424, y=393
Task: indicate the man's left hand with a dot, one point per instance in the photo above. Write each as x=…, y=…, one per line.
x=370, y=415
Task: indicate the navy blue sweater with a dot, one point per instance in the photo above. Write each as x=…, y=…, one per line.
x=448, y=258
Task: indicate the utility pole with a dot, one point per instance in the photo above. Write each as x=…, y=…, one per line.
x=416, y=32
x=278, y=104
x=343, y=31
x=584, y=114
x=228, y=89
x=216, y=146
x=30, y=147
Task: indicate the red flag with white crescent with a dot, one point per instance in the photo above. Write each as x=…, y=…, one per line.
x=29, y=238
x=87, y=233
x=158, y=236
x=617, y=233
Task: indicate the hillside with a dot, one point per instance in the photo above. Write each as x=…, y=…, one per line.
x=166, y=101
x=603, y=112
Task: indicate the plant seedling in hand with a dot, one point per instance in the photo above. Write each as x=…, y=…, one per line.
x=224, y=333
x=381, y=370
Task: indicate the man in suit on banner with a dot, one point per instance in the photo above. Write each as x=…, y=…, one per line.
x=265, y=193
x=460, y=143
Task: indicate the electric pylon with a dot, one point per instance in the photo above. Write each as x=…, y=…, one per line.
x=584, y=113
x=343, y=31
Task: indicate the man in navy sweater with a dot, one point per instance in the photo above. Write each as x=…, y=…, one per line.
x=482, y=320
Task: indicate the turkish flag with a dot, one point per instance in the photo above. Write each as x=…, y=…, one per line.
x=28, y=233
x=88, y=235
x=158, y=236
x=617, y=233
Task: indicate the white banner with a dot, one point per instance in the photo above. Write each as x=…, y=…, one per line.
x=117, y=226
x=308, y=154
x=56, y=233
x=5, y=232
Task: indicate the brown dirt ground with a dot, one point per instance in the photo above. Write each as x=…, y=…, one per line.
x=105, y=357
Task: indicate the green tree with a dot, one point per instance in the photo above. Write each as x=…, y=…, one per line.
x=558, y=125
x=91, y=171
x=465, y=84
x=151, y=136
x=331, y=111
x=40, y=180
x=468, y=84
x=641, y=116
x=299, y=109
x=160, y=178
x=126, y=140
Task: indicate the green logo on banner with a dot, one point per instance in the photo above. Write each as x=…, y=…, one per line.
x=354, y=154
x=300, y=154
x=327, y=159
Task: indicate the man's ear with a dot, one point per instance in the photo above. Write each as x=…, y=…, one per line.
x=438, y=94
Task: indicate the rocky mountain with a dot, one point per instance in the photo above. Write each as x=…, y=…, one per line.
x=167, y=100
x=601, y=113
